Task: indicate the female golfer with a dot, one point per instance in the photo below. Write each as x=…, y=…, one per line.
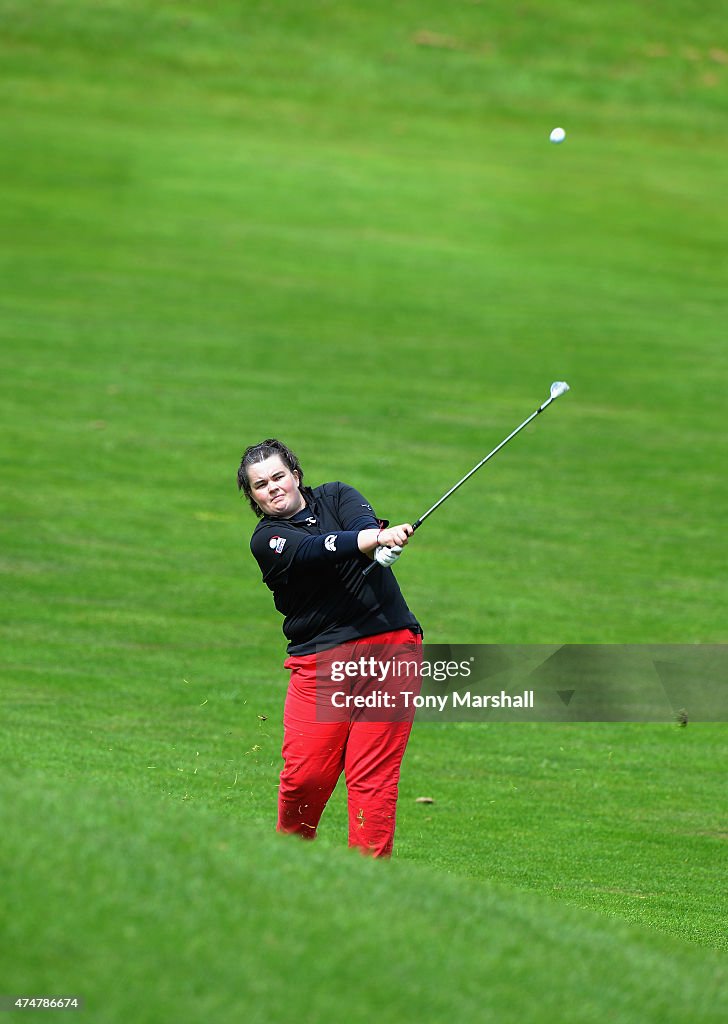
x=312, y=546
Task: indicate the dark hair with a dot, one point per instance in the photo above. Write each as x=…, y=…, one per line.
x=259, y=453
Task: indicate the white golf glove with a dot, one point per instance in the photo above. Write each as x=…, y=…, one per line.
x=387, y=556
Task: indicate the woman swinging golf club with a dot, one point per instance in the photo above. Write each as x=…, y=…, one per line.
x=311, y=546
x=314, y=548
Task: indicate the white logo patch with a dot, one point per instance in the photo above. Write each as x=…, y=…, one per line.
x=330, y=542
x=311, y=521
x=277, y=544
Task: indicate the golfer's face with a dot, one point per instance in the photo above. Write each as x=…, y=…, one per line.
x=275, y=488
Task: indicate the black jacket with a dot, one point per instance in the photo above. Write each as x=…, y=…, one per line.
x=315, y=570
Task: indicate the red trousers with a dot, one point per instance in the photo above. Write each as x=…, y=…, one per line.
x=316, y=752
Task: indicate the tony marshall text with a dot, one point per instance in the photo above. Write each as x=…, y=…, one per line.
x=439, y=702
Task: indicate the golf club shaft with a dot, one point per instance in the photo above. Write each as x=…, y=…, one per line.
x=416, y=525
x=482, y=462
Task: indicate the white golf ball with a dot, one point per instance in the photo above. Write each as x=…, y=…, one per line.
x=557, y=135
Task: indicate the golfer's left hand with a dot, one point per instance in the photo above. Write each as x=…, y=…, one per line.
x=387, y=556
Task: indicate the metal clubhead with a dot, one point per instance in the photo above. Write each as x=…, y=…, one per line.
x=559, y=387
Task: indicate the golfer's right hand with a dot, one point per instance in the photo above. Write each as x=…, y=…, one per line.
x=395, y=536
x=387, y=556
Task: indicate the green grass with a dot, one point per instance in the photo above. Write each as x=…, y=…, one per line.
x=344, y=225
x=202, y=919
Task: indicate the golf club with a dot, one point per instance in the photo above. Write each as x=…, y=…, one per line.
x=558, y=388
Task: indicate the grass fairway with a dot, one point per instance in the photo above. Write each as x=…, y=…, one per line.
x=344, y=225
x=203, y=920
